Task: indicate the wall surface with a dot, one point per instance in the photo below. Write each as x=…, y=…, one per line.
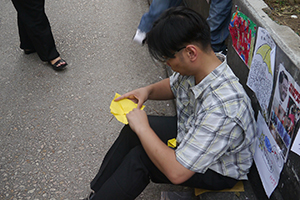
x=288, y=45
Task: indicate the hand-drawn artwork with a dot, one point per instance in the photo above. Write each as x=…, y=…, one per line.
x=260, y=78
x=265, y=51
x=242, y=31
x=268, y=158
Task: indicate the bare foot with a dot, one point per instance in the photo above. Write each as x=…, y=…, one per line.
x=54, y=60
x=59, y=64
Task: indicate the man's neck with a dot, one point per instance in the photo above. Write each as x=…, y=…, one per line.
x=207, y=63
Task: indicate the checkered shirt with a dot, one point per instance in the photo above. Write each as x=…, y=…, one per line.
x=216, y=125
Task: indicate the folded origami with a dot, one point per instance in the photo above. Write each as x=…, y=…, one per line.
x=120, y=108
x=172, y=143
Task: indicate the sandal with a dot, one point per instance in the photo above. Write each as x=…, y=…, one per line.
x=59, y=65
x=29, y=51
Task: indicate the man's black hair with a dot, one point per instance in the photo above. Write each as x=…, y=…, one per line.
x=176, y=28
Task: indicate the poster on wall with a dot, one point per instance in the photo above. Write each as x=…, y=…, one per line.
x=268, y=159
x=261, y=74
x=242, y=31
x=279, y=119
x=285, y=110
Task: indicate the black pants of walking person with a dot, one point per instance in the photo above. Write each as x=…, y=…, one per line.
x=126, y=169
x=34, y=28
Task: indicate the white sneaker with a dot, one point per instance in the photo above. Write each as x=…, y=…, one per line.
x=139, y=37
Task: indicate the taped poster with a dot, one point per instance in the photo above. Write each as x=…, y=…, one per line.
x=261, y=74
x=242, y=31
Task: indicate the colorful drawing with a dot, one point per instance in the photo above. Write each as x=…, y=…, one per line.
x=268, y=156
x=242, y=31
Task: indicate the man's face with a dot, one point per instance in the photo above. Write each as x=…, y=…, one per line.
x=178, y=64
x=175, y=65
x=283, y=88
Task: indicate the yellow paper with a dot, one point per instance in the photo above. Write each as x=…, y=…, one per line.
x=120, y=108
x=172, y=143
x=239, y=187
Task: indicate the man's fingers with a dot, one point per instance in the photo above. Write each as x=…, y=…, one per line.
x=124, y=96
x=140, y=104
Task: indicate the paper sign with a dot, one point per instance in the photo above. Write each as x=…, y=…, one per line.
x=260, y=78
x=242, y=31
x=268, y=158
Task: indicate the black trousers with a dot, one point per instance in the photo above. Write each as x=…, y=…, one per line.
x=34, y=28
x=126, y=169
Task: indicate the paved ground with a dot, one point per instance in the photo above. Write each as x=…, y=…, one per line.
x=56, y=127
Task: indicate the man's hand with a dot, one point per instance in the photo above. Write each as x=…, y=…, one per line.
x=139, y=96
x=138, y=120
x=157, y=91
x=161, y=155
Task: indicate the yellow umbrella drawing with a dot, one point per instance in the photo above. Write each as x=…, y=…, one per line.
x=265, y=52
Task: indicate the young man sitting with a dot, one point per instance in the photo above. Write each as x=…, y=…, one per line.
x=214, y=126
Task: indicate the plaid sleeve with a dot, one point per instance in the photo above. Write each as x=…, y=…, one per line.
x=174, y=83
x=210, y=136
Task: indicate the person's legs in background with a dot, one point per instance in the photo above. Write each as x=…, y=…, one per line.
x=25, y=42
x=157, y=7
x=35, y=32
x=34, y=29
x=218, y=20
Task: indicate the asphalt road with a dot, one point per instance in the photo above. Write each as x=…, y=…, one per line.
x=56, y=126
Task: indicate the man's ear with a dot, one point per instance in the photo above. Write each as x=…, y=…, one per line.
x=192, y=52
